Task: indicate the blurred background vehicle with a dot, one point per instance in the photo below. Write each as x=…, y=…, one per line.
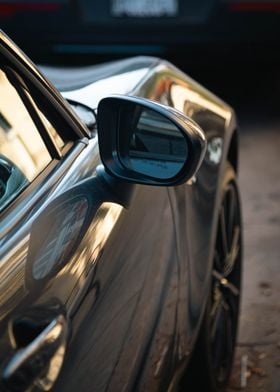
x=160, y=27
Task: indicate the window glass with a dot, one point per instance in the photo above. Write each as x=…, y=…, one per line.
x=23, y=154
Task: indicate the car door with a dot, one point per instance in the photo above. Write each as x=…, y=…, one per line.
x=82, y=279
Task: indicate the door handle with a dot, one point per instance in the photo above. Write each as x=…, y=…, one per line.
x=38, y=362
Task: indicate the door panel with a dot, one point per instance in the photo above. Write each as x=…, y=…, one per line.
x=121, y=308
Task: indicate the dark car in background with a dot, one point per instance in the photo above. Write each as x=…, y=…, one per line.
x=219, y=28
x=120, y=228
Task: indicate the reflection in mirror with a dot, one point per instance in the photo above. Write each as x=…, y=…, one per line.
x=156, y=146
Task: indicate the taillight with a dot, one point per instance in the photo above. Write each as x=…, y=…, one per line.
x=9, y=9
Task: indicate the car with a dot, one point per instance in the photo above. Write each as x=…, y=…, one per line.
x=224, y=30
x=121, y=230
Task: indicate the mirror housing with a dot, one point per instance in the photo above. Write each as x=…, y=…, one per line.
x=144, y=142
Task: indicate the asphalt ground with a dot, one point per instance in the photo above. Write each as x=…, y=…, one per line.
x=257, y=364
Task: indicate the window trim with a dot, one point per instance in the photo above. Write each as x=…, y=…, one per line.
x=55, y=106
x=67, y=124
x=29, y=105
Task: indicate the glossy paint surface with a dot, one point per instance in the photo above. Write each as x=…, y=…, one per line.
x=130, y=283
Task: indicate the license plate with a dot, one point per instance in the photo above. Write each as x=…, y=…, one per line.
x=144, y=8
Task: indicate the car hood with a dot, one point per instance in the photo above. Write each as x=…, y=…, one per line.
x=88, y=85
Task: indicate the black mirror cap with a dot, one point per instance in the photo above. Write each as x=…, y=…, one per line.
x=108, y=117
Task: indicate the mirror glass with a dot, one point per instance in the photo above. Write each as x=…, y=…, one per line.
x=155, y=147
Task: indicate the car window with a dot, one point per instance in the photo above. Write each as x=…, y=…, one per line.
x=23, y=154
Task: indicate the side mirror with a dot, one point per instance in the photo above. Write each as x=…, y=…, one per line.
x=148, y=143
